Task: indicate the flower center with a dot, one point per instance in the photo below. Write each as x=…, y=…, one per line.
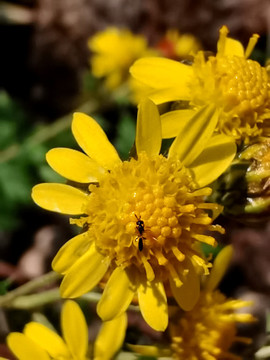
x=146, y=213
x=239, y=86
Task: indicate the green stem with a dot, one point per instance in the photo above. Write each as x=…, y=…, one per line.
x=44, y=280
x=16, y=300
x=27, y=302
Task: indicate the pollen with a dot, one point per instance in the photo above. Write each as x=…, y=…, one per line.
x=239, y=86
x=158, y=194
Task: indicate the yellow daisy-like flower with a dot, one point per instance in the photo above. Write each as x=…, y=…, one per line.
x=39, y=342
x=141, y=218
x=240, y=87
x=114, y=51
x=178, y=46
x=173, y=46
x=208, y=331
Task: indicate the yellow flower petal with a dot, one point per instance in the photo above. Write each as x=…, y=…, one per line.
x=188, y=294
x=192, y=138
x=174, y=93
x=24, y=348
x=214, y=160
x=47, y=339
x=94, y=141
x=227, y=46
x=159, y=72
x=220, y=266
x=110, y=338
x=74, y=165
x=60, y=198
x=84, y=274
x=233, y=47
x=117, y=295
x=148, y=132
x=70, y=252
x=74, y=329
x=153, y=304
x=173, y=122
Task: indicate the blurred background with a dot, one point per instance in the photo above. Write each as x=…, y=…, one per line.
x=45, y=75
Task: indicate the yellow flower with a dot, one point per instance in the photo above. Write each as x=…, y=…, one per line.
x=208, y=331
x=114, y=51
x=39, y=342
x=138, y=91
x=141, y=218
x=235, y=84
x=175, y=45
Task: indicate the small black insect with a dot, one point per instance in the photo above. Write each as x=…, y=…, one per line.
x=141, y=230
x=140, y=225
x=140, y=242
x=140, y=245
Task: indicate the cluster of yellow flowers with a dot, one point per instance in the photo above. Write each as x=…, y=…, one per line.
x=115, y=50
x=143, y=219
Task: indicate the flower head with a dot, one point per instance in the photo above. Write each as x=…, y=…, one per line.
x=178, y=46
x=239, y=86
x=114, y=51
x=39, y=342
x=209, y=330
x=142, y=218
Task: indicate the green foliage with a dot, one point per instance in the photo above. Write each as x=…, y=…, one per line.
x=125, y=135
x=210, y=251
x=24, y=143
x=22, y=158
x=4, y=285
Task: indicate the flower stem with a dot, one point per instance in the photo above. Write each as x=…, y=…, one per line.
x=27, y=302
x=44, y=280
x=18, y=298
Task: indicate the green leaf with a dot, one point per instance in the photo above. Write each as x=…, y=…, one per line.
x=4, y=285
